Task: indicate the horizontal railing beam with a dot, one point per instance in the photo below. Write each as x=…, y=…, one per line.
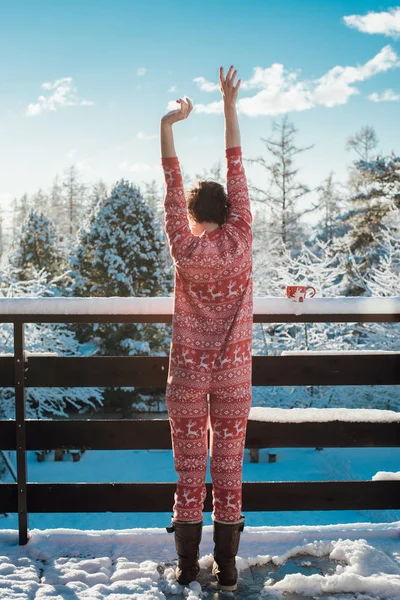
x=131, y=434
x=158, y=497
x=152, y=371
x=357, y=317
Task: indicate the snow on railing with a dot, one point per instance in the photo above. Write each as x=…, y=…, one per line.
x=163, y=305
x=333, y=352
x=322, y=415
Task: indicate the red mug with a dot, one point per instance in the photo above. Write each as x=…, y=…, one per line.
x=299, y=292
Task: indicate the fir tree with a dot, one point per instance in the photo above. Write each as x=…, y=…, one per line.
x=154, y=197
x=98, y=193
x=376, y=197
x=1, y=238
x=53, y=338
x=20, y=208
x=57, y=205
x=40, y=202
x=118, y=253
x=37, y=247
x=331, y=203
x=75, y=200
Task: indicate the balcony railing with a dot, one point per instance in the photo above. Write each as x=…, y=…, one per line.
x=23, y=370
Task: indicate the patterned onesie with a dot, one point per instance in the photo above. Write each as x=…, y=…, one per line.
x=210, y=367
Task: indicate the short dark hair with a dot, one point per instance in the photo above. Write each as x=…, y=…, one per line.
x=208, y=201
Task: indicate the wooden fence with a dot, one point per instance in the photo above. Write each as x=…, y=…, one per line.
x=22, y=371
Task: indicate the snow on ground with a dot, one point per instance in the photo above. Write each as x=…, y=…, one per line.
x=116, y=556
x=136, y=563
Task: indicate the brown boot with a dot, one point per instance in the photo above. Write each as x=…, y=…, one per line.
x=187, y=541
x=226, y=539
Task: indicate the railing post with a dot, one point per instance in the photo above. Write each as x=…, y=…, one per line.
x=21, y=432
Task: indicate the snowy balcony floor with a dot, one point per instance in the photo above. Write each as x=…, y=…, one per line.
x=355, y=561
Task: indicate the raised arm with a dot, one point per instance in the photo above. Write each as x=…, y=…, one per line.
x=176, y=219
x=238, y=195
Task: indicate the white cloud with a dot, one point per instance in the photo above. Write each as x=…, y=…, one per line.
x=387, y=95
x=172, y=88
x=144, y=136
x=63, y=94
x=212, y=108
x=206, y=86
x=282, y=91
x=386, y=23
x=141, y=71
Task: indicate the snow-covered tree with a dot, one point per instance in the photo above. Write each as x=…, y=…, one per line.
x=331, y=203
x=54, y=338
x=118, y=253
x=20, y=208
x=364, y=143
x=322, y=268
x=37, y=247
x=97, y=193
x=376, y=197
x=2, y=244
x=74, y=193
x=57, y=204
x=41, y=202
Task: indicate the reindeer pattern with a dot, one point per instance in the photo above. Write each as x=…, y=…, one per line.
x=210, y=368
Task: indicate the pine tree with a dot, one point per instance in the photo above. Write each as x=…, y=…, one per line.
x=331, y=202
x=283, y=191
x=75, y=200
x=55, y=338
x=363, y=143
x=154, y=197
x=2, y=247
x=98, y=193
x=57, y=205
x=118, y=253
x=20, y=208
x=37, y=247
x=323, y=270
x=40, y=202
x=376, y=197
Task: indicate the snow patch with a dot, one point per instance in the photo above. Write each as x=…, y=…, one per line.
x=322, y=415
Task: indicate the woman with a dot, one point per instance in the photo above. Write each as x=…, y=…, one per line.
x=210, y=368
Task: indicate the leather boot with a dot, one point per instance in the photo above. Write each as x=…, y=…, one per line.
x=187, y=541
x=226, y=539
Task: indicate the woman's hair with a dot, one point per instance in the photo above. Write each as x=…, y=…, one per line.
x=208, y=201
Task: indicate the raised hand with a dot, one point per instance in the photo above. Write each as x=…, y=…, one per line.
x=227, y=85
x=180, y=113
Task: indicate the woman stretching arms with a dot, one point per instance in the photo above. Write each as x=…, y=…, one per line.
x=210, y=368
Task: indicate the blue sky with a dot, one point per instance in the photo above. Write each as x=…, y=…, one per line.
x=87, y=82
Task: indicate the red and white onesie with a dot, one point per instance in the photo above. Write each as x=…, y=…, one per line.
x=210, y=367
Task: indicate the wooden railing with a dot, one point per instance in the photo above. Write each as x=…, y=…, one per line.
x=22, y=371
